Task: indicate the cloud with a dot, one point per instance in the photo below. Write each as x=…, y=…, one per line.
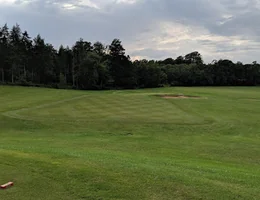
x=151, y=29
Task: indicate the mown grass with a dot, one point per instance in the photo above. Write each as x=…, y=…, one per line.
x=65, y=144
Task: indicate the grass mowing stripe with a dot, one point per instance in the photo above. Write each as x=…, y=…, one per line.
x=130, y=144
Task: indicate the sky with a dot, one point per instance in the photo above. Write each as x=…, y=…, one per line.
x=148, y=29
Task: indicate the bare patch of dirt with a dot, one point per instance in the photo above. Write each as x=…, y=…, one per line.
x=180, y=96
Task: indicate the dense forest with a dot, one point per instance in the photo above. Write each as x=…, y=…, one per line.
x=33, y=62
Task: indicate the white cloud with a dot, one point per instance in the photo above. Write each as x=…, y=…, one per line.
x=14, y=2
x=68, y=6
x=7, y=2
x=87, y=3
x=80, y=4
x=174, y=39
x=127, y=1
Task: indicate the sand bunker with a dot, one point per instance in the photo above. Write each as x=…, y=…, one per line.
x=181, y=96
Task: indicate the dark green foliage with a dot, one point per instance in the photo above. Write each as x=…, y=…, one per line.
x=120, y=66
x=26, y=61
x=149, y=74
x=193, y=58
x=4, y=51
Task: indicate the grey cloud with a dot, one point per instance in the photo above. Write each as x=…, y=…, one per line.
x=136, y=24
x=247, y=24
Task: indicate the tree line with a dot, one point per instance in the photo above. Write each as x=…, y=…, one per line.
x=33, y=62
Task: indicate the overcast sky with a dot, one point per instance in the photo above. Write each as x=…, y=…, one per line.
x=150, y=29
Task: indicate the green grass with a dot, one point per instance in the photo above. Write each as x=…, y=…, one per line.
x=65, y=144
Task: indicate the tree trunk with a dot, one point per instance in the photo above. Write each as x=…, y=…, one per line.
x=32, y=75
x=73, y=75
x=24, y=72
x=12, y=73
x=3, y=75
x=65, y=76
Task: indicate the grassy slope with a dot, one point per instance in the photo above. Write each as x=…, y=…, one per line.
x=61, y=144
